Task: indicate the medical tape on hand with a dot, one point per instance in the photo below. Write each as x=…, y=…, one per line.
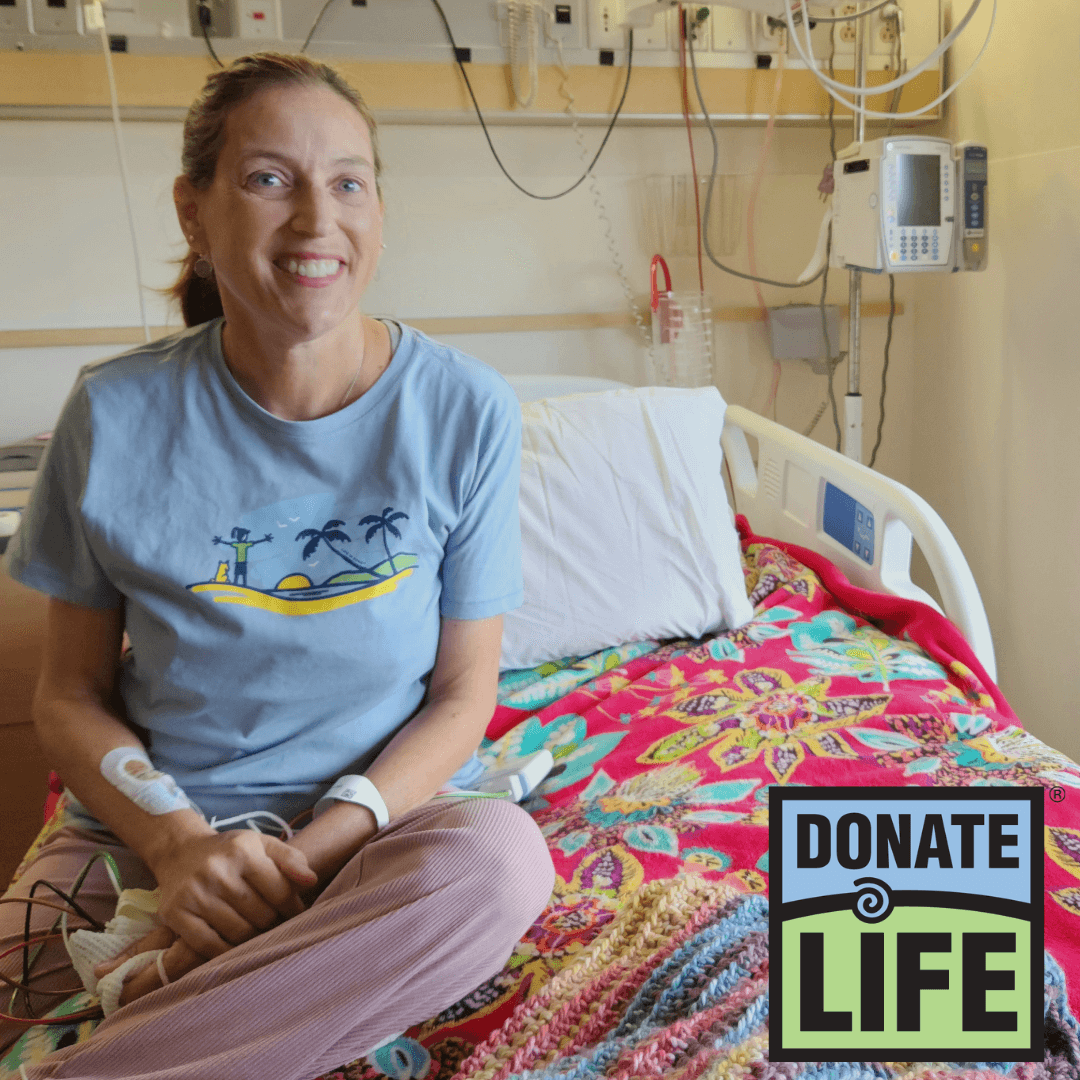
x=134, y=919
x=111, y=986
x=129, y=769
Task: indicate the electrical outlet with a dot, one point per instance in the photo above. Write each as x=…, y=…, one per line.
x=730, y=29
x=659, y=34
x=56, y=16
x=605, y=31
x=883, y=32
x=767, y=38
x=562, y=22
x=700, y=28
x=13, y=17
x=220, y=18
x=258, y=19
x=845, y=31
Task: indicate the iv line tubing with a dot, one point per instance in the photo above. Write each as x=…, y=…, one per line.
x=124, y=177
x=903, y=80
x=875, y=114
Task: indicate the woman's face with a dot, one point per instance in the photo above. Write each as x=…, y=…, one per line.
x=292, y=221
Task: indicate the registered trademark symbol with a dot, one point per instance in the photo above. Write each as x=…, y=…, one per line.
x=1057, y=794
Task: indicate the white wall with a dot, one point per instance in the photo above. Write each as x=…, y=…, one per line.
x=997, y=372
x=460, y=241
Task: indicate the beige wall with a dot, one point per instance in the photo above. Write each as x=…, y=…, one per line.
x=997, y=379
x=460, y=241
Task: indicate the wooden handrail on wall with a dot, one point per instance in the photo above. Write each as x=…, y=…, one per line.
x=437, y=327
x=59, y=80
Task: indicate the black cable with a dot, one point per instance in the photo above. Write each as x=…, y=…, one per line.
x=607, y=134
x=828, y=246
x=885, y=367
x=314, y=27
x=204, y=22
x=68, y=899
x=830, y=364
x=708, y=198
x=892, y=280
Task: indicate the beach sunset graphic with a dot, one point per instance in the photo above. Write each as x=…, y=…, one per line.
x=304, y=590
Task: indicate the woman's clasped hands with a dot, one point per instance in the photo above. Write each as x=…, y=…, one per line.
x=217, y=890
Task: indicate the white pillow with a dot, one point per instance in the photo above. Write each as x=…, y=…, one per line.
x=625, y=528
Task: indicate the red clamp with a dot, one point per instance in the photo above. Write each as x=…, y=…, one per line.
x=658, y=260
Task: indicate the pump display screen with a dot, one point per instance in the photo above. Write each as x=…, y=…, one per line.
x=918, y=188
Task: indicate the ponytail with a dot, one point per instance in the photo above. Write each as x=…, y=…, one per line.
x=200, y=301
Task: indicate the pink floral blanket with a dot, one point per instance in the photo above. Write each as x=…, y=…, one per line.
x=665, y=754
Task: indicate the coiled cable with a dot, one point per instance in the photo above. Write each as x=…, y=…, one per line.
x=524, y=38
x=601, y=210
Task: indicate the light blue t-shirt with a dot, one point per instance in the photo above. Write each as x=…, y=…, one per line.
x=283, y=580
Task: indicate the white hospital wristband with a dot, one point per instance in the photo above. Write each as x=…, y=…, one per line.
x=359, y=790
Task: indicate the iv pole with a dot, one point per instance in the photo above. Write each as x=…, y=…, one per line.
x=853, y=425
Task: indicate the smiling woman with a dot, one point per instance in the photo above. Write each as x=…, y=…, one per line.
x=306, y=520
x=280, y=203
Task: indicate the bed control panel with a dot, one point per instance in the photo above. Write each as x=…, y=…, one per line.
x=849, y=523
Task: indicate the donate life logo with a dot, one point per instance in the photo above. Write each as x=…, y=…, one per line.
x=906, y=924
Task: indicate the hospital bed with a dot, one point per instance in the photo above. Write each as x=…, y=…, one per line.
x=649, y=960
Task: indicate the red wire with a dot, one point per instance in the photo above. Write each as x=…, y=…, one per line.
x=690, y=139
x=71, y=1018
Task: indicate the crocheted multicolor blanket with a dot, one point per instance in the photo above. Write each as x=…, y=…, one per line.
x=651, y=957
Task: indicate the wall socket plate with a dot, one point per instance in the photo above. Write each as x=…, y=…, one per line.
x=730, y=29
x=660, y=34
x=766, y=38
x=880, y=38
x=605, y=18
x=258, y=20
x=702, y=30
x=221, y=23
x=882, y=34
x=13, y=18
x=845, y=31
x=65, y=19
x=569, y=33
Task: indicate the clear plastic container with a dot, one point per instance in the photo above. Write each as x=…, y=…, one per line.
x=683, y=340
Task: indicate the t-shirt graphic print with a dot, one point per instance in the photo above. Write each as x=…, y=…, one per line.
x=324, y=574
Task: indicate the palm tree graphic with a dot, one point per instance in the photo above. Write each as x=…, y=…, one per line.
x=385, y=521
x=331, y=531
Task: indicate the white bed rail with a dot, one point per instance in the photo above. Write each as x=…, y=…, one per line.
x=804, y=493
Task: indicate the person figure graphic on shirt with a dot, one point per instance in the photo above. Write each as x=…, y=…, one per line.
x=240, y=544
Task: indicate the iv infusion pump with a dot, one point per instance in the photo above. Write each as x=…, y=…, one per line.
x=910, y=203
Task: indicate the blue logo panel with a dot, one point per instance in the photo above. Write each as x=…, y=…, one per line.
x=849, y=523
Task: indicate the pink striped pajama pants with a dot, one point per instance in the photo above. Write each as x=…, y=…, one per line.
x=422, y=914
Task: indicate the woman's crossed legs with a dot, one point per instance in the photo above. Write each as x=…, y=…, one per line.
x=424, y=913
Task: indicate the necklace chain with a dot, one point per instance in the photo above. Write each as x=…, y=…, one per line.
x=363, y=354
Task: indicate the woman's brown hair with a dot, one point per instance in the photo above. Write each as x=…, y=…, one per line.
x=204, y=136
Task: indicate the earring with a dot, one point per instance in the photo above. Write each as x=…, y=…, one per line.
x=204, y=268
x=384, y=245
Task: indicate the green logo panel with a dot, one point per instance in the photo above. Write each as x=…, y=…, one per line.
x=863, y=985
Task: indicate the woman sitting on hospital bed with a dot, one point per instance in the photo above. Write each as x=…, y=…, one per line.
x=306, y=519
